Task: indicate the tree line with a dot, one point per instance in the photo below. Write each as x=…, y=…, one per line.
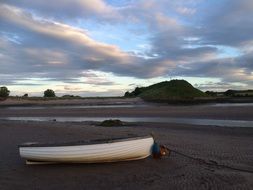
x=5, y=92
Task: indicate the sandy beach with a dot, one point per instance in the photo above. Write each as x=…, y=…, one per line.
x=215, y=157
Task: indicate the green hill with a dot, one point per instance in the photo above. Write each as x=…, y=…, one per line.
x=167, y=91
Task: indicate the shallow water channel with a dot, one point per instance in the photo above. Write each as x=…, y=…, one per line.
x=179, y=120
x=193, y=121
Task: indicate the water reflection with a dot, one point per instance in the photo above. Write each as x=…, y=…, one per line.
x=232, y=104
x=73, y=107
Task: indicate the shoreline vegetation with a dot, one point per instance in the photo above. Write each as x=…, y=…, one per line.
x=171, y=92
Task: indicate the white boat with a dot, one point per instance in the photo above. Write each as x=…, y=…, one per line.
x=112, y=150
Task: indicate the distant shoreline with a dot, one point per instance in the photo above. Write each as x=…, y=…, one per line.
x=206, y=100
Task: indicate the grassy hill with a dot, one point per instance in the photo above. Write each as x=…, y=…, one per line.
x=167, y=91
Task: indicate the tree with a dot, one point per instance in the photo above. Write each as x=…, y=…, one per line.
x=138, y=90
x=4, y=92
x=49, y=93
x=211, y=93
x=230, y=93
x=25, y=95
x=127, y=94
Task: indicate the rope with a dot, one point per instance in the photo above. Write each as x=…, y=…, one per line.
x=212, y=163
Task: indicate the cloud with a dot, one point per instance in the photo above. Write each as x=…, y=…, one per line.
x=218, y=86
x=48, y=48
x=44, y=40
x=95, y=78
x=52, y=50
x=186, y=11
x=64, y=9
x=228, y=70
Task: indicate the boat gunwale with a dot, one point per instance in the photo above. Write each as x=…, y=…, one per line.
x=84, y=142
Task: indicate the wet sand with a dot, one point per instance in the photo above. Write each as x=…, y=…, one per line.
x=216, y=157
x=226, y=159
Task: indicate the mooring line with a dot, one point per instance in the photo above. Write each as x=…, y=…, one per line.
x=208, y=163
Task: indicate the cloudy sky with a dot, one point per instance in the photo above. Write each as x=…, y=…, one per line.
x=103, y=48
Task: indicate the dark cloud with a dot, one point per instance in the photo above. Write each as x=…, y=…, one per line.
x=245, y=61
x=173, y=47
x=227, y=70
x=230, y=23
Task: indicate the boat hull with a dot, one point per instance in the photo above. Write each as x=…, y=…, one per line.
x=123, y=150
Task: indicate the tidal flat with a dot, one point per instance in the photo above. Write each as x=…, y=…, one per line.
x=204, y=156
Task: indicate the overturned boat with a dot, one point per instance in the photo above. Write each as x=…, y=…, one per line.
x=96, y=151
